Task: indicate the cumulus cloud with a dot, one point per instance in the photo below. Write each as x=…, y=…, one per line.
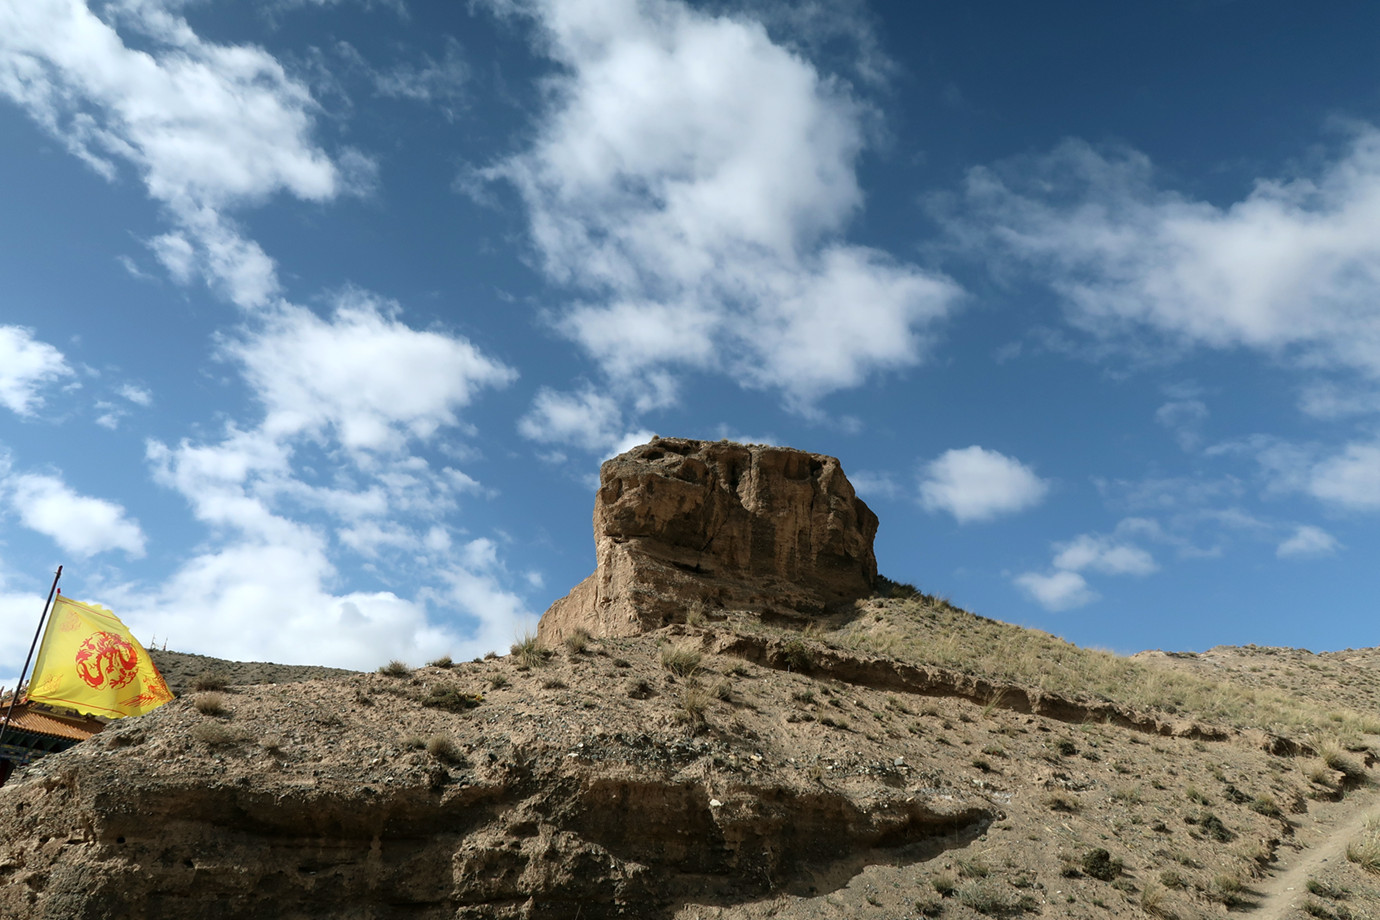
x=1102, y=554
x=80, y=524
x=1058, y=590
x=26, y=367
x=365, y=388
x=692, y=177
x=206, y=126
x=586, y=419
x=1307, y=541
x=369, y=379
x=1292, y=269
x=1064, y=587
x=975, y=484
x=1350, y=479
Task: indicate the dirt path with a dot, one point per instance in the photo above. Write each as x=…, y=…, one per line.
x=1325, y=844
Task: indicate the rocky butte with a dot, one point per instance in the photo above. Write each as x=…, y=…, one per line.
x=683, y=525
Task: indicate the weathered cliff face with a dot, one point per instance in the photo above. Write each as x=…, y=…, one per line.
x=679, y=522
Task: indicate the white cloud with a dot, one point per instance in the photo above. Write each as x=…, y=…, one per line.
x=974, y=484
x=1306, y=541
x=1185, y=418
x=1350, y=479
x=78, y=523
x=26, y=366
x=440, y=83
x=1064, y=586
x=586, y=419
x=363, y=376
x=694, y=177
x=206, y=126
x=1102, y=554
x=1059, y=590
x=140, y=396
x=363, y=388
x=1330, y=401
x=1292, y=269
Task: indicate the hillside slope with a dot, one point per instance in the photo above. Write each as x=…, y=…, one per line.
x=901, y=758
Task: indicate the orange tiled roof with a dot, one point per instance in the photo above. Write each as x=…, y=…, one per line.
x=28, y=719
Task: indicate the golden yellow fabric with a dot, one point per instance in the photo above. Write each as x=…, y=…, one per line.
x=90, y=662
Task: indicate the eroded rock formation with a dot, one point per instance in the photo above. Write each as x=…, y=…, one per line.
x=680, y=522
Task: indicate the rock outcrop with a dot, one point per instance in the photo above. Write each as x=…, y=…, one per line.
x=680, y=523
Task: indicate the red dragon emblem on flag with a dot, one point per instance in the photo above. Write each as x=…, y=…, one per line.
x=105, y=659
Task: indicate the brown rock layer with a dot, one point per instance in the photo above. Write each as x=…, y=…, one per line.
x=679, y=522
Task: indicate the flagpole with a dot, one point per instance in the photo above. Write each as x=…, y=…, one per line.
x=33, y=645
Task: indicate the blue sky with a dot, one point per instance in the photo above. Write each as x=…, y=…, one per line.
x=318, y=316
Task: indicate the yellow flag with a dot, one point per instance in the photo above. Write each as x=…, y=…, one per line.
x=90, y=662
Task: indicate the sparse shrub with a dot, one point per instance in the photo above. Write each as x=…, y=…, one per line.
x=553, y=683
x=1127, y=795
x=806, y=696
x=722, y=689
x=414, y=743
x=1365, y=852
x=944, y=883
x=640, y=688
x=1351, y=768
x=1153, y=899
x=833, y=723
x=622, y=663
x=395, y=668
x=450, y=698
x=577, y=641
x=1173, y=878
x=211, y=680
x=528, y=651
x=799, y=658
x=498, y=681
x=1099, y=864
x=1213, y=827
x=444, y=663
x=1059, y=801
x=216, y=734
x=1226, y=890
x=973, y=868
x=444, y=749
x=983, y=765
x=1267, y=806
x=1324, y=890
x=694, y=701
x=697, y=613
x=1066, y=747
x=210, y=704
x=987, y=898
x=681, y=660
x=899, y=590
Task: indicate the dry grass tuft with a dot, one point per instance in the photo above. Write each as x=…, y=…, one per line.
x=444, y=749
x=681, y=660
x=211, y=680
x=395, y=668
x=210, y=704
x=528, y=652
